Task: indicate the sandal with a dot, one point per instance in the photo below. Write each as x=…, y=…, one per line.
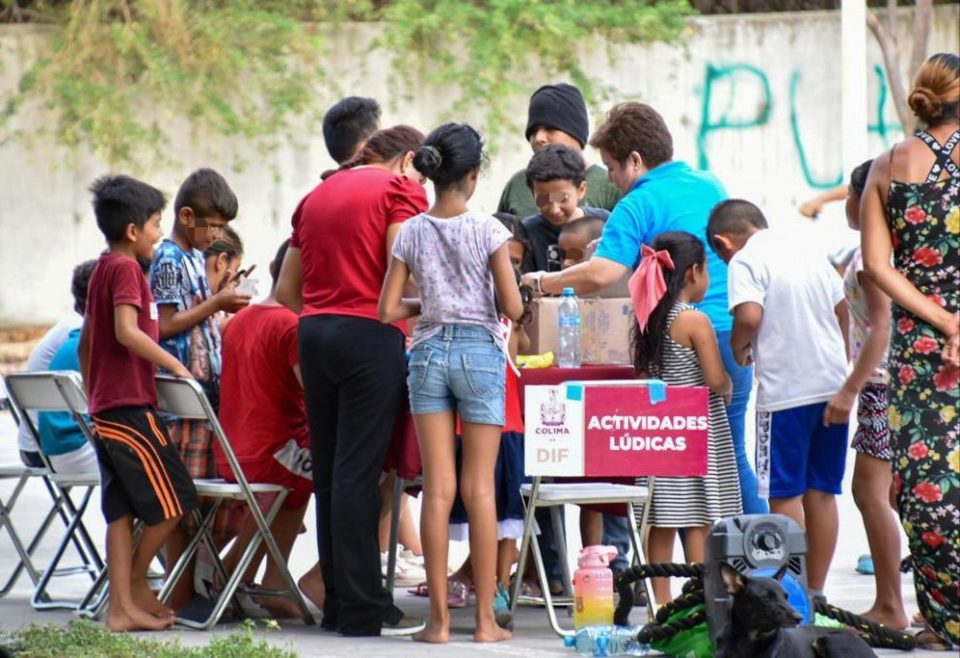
x=930, y=641
x=419, y=590
x=458, y=594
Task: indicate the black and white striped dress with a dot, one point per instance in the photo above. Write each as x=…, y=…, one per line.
x=680, y=502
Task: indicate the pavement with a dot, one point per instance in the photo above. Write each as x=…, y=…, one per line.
x=532, y=637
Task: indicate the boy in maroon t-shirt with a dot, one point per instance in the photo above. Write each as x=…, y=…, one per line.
x=141, y=472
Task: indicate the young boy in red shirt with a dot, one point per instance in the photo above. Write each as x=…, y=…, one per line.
x=141, y=472
x=264, y=416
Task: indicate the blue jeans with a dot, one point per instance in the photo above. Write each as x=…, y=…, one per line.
x=459, y=369
x=617, y=534
x=742, y=378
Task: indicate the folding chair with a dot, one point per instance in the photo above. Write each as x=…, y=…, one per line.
x=184, y=398
x=34, y=392
x=552, y=495
x=399, y=485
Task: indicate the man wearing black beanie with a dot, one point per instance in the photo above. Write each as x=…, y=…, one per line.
x=557, y=115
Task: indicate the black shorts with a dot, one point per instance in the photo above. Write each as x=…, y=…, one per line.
x=141, y=472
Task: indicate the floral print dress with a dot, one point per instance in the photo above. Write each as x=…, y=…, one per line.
x=924, y=221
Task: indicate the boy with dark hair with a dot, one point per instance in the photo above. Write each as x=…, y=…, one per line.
x=61, y=439
x=141, y=472
x=575, y=236
x=789, y=316
x=557, y=177
x=187, y=306
x=188, y=312
x=557, y=116
x=264, y=415
x=42, y=355
x=348, y=124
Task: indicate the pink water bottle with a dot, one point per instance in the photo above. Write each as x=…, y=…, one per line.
x=593, y=587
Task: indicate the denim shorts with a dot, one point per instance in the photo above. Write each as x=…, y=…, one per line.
x=459, y=369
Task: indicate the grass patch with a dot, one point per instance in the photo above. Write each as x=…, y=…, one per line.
x=90, y=640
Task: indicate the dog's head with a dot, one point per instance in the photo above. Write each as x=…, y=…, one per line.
x=760, y=605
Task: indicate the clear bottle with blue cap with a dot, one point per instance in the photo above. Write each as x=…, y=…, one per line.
x=607, y=641
x=568, y=338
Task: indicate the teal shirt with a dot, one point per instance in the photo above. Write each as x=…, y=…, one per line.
x=670, y=197
x=517, y=199
x=59, y=434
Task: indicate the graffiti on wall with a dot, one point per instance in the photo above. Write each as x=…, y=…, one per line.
x=739, y=97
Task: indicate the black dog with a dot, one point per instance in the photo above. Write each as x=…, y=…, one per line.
x=763, y=624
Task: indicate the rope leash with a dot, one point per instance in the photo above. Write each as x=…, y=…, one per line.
x=876, y=635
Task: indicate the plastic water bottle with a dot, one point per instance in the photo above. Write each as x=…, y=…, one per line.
x=568, y=351
x=607, y=641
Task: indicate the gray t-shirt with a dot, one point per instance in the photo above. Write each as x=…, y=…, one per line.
x=450, y=261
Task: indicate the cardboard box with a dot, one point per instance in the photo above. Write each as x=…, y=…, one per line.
x=605, y=327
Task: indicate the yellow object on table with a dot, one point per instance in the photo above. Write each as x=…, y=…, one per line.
x=544, y=360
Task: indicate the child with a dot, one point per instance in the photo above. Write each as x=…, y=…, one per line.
x=457, y=361
x=189, y=321
x=557, y=114
x=222, y=264
x=788, y=309
x=872, y=477
x=508, y=473
x=519, y=244
x=61, y=439
x=575, y=236
x=186, y=302
x=222, y=259
x=141, y=472
x=676, y=343
x=557, y=176
x=263, y=415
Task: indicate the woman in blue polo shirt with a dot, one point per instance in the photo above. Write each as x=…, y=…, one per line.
x=661, y=194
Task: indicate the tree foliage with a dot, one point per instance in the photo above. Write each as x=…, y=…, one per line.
x=120, y=76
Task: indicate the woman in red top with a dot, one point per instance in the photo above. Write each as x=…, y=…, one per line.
x=353, y=366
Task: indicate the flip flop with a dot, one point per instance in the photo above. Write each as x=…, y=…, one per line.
x=419, y=590
x=930, y=641
x=865, y=565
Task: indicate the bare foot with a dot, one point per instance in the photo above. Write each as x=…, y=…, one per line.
x=133, y=618
x=434, y=634
x=896, y=620
x=312, y=586
x=280, y=607
x=491, y=633
x=146, y=600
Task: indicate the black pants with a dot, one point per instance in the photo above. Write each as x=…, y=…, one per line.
x=353, y=378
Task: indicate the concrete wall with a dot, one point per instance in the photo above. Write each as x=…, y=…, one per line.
x=754, y=98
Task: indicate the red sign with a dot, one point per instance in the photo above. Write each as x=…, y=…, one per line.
x=626, y=434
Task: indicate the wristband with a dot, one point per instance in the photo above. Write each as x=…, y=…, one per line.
x=538, y=283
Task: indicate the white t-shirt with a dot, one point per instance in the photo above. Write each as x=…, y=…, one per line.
x=799, y=351
x=40, y=359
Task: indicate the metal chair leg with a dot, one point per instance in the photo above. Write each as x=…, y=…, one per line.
x=394, y=531
x=525, y=541
x=40, y=600
x=25, y=555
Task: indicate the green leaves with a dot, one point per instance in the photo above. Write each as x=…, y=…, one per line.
x=121, y=75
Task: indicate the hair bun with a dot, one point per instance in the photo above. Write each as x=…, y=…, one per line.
x=925, y=104
x=428, y=160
